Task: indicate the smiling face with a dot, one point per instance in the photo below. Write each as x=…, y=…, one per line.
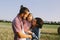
x=29, y=17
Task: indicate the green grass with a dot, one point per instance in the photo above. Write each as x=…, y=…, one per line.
x=48, y=32
x=50, y=26
x=6, y=32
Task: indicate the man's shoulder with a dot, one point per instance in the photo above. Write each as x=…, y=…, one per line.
x=15, y=19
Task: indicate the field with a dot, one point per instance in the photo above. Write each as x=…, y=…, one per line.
x=48, y=32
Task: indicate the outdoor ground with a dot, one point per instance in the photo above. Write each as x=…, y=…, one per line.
x=48, y=32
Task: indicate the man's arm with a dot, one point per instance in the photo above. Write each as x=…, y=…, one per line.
x=22, y=35
x=19, y=30
x=29, y=32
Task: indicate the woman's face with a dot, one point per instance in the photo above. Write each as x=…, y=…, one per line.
x=34, y=22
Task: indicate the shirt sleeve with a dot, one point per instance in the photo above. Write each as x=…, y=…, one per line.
x=17, y=25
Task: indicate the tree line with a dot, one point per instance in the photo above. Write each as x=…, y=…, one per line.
x=45, y=22
x=5, y=21
x=52, y=23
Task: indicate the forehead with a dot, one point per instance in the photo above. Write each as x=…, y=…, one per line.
x=30, y=16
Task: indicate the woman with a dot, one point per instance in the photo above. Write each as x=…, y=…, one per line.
x=27, y=24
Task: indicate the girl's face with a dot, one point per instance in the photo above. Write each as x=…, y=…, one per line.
x=29, y=18
x=34, y=22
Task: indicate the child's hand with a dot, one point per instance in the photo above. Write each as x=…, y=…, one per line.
x=34, y=36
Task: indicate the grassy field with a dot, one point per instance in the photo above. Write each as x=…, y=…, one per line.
x=48, y=32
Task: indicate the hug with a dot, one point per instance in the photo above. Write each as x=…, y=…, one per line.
x=25, y=26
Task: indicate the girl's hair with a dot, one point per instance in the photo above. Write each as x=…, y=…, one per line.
x=22, y=9
x=39, y=21
x=29, y=15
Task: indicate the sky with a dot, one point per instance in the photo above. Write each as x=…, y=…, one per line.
x=48, y=10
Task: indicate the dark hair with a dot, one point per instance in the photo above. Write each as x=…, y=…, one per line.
x=39, y=21
x=22, y=9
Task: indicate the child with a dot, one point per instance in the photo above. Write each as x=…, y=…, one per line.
x=36, y=24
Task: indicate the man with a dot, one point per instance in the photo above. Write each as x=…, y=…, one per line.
x=18, y=27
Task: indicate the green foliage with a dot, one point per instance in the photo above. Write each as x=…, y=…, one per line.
x=5, y=21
